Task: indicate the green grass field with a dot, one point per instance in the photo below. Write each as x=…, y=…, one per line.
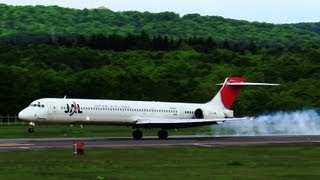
x=42, y=131
x=181, y=162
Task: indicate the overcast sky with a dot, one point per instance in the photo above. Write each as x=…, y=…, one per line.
x=272, y=11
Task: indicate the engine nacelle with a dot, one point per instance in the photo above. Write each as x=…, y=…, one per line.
x=206, y=114
x=198, y=114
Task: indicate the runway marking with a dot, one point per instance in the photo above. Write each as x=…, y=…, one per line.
x=14, y=145
x=24, y=148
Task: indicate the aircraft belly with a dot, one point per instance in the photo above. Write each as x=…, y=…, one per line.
x=91, y=119
x=106, y=120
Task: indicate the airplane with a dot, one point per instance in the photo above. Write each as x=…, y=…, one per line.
x=139, y=114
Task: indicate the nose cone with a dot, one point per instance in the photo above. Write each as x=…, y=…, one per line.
x=25, y=115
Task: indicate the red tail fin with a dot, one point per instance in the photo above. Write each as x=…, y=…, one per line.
x=230, y=90
x=229, y=93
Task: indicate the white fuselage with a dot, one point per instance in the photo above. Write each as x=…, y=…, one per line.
x=139, y=114
x=113, y=112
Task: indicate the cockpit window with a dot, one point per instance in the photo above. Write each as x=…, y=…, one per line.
x=37, y=105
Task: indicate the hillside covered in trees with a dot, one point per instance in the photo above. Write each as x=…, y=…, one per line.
x=53, y=51
x=19, y=22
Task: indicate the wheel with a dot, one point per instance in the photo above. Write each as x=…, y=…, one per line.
x=137, y=134
x=30, y=130
x=162, y=134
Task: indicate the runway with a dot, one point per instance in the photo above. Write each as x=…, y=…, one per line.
x=206, y=141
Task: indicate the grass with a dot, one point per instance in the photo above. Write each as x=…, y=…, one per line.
x=43, y=131
x=180, y=162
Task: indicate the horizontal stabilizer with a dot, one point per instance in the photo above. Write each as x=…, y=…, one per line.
x=230, y=90
x=247, y=84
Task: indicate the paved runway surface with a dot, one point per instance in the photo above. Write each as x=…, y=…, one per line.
x=208, y=141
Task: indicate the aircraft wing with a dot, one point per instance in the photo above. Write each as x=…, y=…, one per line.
x=178, y=123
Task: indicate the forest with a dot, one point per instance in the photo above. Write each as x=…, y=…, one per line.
x=97, y=53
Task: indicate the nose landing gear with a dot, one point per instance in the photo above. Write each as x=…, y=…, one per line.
x=30, y=128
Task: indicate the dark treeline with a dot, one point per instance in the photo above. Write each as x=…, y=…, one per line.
x=142, y=41
x=29, y=72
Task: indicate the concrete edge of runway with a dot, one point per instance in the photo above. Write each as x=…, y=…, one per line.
x=151, y=141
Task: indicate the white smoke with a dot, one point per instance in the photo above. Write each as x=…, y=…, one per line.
x=304, y=122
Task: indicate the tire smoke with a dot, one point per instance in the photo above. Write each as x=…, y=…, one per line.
x=304, y=122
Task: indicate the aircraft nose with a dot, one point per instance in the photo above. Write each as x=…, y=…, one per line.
x=25, y=115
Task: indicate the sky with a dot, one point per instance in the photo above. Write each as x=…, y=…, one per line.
x=271, y=11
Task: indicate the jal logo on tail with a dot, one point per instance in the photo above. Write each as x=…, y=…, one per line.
x=73, y=108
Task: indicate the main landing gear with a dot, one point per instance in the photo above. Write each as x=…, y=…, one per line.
x=137, y=134
x=162, y=134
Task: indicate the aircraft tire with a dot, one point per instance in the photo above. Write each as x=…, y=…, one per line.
x=30, y=130
x=137, y=134
x=162, y=134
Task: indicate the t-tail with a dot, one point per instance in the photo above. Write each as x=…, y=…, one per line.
x=230, y=90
